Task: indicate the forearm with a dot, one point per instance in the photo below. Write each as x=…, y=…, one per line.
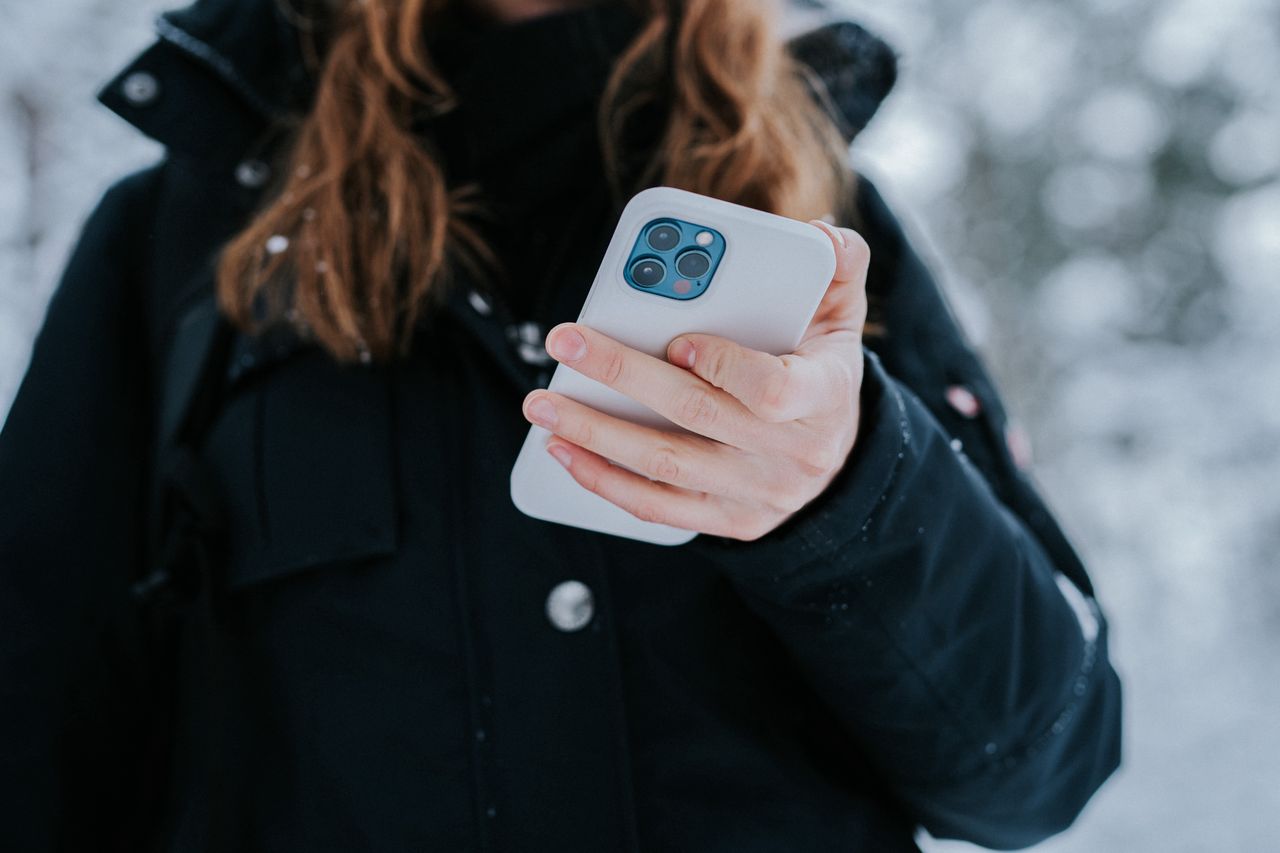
x=931, y=620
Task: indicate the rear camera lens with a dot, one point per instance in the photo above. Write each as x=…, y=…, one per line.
x=663, y=238
x=648, y=272
x=693, y=264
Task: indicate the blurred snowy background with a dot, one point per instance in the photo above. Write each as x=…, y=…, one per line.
x=1099, y=182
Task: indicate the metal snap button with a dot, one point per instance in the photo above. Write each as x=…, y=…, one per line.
x=532, y=354
x=570, y=606
x=528, y=332
x=480, y=303
x=140, y=88
x=252, y=174
x=527, y=338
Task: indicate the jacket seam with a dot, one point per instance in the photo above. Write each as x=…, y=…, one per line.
x=1084, y=684
x=480, y=781
x=626, y=784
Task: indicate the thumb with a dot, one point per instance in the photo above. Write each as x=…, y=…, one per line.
x=844, y=305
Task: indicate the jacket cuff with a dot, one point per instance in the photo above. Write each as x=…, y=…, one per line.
x=839, y=515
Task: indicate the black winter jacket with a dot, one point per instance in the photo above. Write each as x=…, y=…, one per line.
x=372, y=656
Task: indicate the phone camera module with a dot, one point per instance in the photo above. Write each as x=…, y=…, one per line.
x=648, y=272
x=663, y=237
x=693, y=264
x=673, y=258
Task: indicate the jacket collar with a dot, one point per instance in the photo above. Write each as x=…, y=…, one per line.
x=223, y=75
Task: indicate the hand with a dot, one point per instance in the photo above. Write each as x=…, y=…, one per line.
x=769, y=432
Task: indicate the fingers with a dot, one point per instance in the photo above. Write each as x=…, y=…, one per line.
x=844, y=305
x=690, y=462
x=660, y=503
x=773, y=388
x=673, y=393
x=852, y=252
x=815, y=380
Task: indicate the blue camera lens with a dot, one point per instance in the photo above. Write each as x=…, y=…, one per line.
x=674, y=258
x=648, y=272
x=663, y=237
x=693, y=264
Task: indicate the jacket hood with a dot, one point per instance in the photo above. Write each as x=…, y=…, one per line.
x=222, y=75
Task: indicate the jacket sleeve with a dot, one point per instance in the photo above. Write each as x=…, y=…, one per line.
x=73, y=457
x=933, y=602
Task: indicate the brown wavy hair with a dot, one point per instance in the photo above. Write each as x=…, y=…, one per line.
x=364, y=229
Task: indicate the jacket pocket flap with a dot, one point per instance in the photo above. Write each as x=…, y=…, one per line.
x=323, y=480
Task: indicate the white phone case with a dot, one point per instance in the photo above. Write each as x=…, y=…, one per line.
x=769, y=282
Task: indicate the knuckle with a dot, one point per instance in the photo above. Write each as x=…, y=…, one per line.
x=663, y=465
x=613, y=367
x=589, y=480
x=696, y=407
x=773, y=397
x=817, y=457
x=579, y=430
x=648, y=511
x=718, y=360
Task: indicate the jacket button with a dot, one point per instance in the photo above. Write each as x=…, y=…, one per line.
x=528, y=338
x=533, y=354
x=140, y=88
x=252, y=174
x=570, y=606
x=963, y=401
x=480, y=303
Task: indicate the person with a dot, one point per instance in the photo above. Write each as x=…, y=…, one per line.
x=264, y=587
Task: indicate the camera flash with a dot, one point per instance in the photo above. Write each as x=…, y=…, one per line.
x=703, y=239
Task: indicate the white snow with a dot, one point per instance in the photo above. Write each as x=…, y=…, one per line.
x=1133, y=316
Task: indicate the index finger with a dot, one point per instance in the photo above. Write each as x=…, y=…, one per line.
x=677, y=395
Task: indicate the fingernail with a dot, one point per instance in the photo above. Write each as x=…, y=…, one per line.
x=682, y=352
x=567, y=345
x=832, y=230
x=561, y=454
x=542, y=412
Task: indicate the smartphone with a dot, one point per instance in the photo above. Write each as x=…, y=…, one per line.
x=678, y=262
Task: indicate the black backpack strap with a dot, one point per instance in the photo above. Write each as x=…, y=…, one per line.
x=193, y=372
x=185, y=531
x=186, y=512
